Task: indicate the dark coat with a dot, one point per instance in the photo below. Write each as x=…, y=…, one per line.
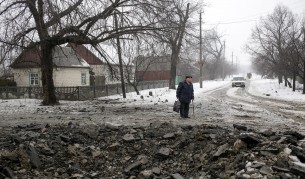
x=185, y=92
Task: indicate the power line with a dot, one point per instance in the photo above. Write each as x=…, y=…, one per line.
x=233, y=22
x=253, y=18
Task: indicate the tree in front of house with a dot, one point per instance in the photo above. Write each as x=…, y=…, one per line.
x=47, y=24
x=177, y=15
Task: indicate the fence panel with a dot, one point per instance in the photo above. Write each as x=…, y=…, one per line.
x=76, y=92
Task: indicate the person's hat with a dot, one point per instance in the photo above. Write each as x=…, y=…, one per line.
x=188, y=77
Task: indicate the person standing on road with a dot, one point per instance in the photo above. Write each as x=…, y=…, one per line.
x=185, y=93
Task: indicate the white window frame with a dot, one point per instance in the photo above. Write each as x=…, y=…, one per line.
x=83, y=78
x=35, y=79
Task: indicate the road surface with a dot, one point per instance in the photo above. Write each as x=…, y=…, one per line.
x=224, y=106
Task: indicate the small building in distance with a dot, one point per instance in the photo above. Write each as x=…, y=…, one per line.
x=157, y=68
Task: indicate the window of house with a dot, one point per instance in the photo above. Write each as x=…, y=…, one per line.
x=34, y=79
x=83, y=78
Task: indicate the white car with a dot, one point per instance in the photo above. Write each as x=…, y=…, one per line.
x=238, y=82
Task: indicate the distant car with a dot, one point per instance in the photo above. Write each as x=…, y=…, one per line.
x=238, y=82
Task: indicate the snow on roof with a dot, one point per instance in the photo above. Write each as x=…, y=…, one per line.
x=66, y=57
x=87, y=52
x=62, y=57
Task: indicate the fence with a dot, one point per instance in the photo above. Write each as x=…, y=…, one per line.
x=77, y=92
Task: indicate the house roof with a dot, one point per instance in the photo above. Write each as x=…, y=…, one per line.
x=66, y=57
x=86, y=54
x=62, y=57
x=29, y=58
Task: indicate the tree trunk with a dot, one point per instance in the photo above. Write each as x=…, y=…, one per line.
x=286, y=80
x=176, y=46
x=120, y=58
x=136, y=89
x=280, y=77
x=289, y=84
x=200, y=53
x=49, y=97
x=201, y=73
x=173, y=71
x=293, y=83
x=304, y=75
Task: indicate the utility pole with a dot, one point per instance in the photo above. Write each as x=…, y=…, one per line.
x=223, y=60
x=232, y=68
x=236, y=65
x=200, y=53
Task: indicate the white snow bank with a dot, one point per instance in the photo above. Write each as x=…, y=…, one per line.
x=262, y=87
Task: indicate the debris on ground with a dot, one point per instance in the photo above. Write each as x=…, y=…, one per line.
x=166, y=151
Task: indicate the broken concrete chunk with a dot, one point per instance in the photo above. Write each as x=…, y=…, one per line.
x=251, y=139
x=164, y=152
x=128, y=138
x=266, y=170
x=132, y=166
x=156, y=171
x=299, y=152
x=221, y=150
x=176, y=176
x=169, y=136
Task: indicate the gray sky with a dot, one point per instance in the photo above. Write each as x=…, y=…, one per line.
x=236, y=18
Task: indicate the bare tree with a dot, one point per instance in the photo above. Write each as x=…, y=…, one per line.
x=213, y=50
x=175, y=22
x=297, y=53
x=140, y=56
x=47, y=23
x=270, y=40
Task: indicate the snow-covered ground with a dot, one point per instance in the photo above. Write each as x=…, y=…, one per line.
x=264, y=87
x=215, y=104
x=165, y=95
x=158, y=95
x=257, y=87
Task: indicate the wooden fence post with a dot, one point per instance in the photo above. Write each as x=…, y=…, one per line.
x=107, y=94
x=78, y=93
x=94, y=93
x=30, y=92
x=6, y=92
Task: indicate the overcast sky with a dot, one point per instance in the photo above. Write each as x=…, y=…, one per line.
x=236, y=18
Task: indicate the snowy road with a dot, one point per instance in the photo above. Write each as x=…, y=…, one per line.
x=236, y=105
x=217, y=104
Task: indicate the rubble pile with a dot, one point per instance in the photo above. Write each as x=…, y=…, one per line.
x=160, y=150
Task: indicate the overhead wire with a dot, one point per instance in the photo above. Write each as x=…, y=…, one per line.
x=255, y=17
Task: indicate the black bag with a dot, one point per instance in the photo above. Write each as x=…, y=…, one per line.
x=177, y=106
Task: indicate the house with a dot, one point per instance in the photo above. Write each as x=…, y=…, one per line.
x=69, y=68
x=157, y=68
x=97, y=66
x=100, y=71
x=153, y=68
